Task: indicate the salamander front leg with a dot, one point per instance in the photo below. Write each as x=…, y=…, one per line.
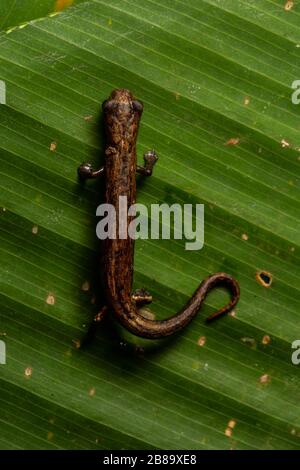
x=150, y=159
x=86, y=171
x=141, y=297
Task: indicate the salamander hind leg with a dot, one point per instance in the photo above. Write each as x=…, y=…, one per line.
x=150, y=159
x=141, y=297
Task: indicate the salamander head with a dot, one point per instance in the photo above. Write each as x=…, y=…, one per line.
x=122, y=102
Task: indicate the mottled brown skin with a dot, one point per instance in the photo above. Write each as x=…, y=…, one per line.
x=122, y=113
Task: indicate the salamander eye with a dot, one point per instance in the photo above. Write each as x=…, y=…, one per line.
x=137, y=106
x=109, y=105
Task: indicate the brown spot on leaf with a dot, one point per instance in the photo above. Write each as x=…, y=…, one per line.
x=228, y=432
x=88, y=118
x=233, y=141
x=246, y=100
x=245, y=236
x=231, y=424
x=35, y=230
x=264, y=278
x=50, y=436
x=266, y=339
x=85, y=286
x=289, y=5
x=92, y=392
x=264, y=379
x=53, y=146
x=50, y=300
x=28, y=372
x=201, y=341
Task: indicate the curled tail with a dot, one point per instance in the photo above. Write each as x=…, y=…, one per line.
x=129, y=317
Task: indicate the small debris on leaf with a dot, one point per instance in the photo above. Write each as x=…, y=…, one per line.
x=250, y=341
x=285, y=143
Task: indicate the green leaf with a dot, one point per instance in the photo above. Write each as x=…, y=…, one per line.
x=18, y=12
x=215, y=78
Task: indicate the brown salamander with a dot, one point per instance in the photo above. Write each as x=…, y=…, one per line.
x=122, y=113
